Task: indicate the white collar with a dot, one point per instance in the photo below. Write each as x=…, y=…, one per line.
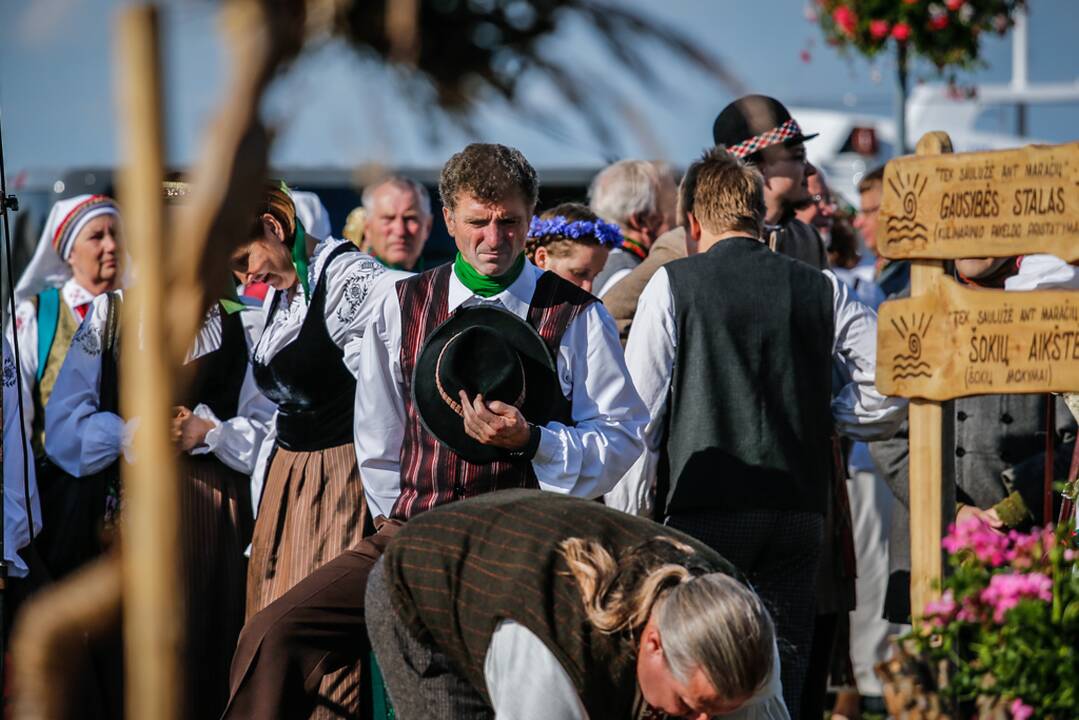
x=517, y=298
x=74, y=294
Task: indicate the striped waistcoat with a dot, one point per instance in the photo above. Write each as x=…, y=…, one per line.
x=431, y=473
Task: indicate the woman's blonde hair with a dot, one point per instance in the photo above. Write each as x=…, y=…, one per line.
x=705, y=619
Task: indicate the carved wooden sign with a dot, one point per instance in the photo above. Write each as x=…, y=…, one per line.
x=956, y=341
x=987, y=204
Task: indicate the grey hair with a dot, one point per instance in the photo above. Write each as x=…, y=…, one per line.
x=717, y=624
x=624, y=189
x=402, y=182
x=706, y=620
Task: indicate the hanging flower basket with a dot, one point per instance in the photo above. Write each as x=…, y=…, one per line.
x=945, y=32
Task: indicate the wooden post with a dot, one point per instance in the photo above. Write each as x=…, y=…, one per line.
x=926, y=435
x=152, y=606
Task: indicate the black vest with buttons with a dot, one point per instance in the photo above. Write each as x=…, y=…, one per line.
x=308, y=380
x=749, y=415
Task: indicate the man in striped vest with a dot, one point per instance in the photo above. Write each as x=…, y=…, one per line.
x=588, y=436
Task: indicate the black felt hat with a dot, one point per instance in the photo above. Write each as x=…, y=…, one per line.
x=484, y=350
x=752, y=116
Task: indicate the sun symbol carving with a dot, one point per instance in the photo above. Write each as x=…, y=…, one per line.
x=910, y=364
x=905, y=228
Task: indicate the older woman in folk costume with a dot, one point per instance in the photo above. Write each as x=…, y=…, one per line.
x=78, y=257
x=313, y=506
x=219, y=427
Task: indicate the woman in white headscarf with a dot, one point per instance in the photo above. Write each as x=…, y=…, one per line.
x=78, y=257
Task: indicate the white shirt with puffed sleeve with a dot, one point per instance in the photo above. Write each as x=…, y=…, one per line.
x=585, y=458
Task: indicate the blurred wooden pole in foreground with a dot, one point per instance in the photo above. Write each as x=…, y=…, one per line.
x=152, y=606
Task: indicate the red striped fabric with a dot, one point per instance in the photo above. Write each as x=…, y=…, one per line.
x=431, y=473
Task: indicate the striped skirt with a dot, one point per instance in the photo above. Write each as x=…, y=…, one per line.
x=215, y=529
x=312, y=508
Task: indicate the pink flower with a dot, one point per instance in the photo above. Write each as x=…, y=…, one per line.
x=1020, y=710
x=911, y=2
x=901, y=32
x=805, y=56
x=953, y=5
x=987, y=545
x=845, y=18
x=939, y=22
x=1007, y=589
x=879, y=29
x=939, y=612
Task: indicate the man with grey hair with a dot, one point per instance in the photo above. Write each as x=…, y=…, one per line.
x=398, y=221
x=638, y=195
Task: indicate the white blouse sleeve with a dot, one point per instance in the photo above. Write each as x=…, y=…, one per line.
x=379, y=418
x=588, y=457
x=18, y=459
x=26, y=326
x=356, y=284
x=237, y=441
x=860, y=411
x=79, y=438
x=524, y=679
x=650, y=354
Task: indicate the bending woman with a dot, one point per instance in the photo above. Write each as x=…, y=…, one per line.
x=312, y=506
x=530, y=605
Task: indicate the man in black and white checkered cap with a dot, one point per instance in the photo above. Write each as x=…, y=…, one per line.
x=760, y=130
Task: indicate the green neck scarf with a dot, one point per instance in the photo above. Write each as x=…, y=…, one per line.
x=299, y=257
x=485, y=285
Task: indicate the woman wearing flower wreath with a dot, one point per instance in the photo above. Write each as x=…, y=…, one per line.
x=312, y=505
x=572, y=242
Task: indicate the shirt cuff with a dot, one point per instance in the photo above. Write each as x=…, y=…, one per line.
x=549, y=450
x=213, y=435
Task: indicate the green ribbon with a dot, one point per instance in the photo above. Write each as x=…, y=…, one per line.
x=299, y=256
x=486, y=285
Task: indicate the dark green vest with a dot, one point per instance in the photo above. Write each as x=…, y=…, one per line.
x=456, y=571
x=749, y=416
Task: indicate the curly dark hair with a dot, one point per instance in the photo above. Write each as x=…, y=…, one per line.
x=556, y=244
x=490, y=172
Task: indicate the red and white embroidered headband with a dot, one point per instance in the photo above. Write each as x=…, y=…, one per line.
x=768, y=138
x=73, y=223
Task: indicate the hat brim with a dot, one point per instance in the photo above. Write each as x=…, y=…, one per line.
x=541, y=380
x=800, y=139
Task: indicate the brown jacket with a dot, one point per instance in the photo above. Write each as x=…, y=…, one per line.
x=621, y=299
x=795, y=239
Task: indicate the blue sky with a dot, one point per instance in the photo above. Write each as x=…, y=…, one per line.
x=336, y=109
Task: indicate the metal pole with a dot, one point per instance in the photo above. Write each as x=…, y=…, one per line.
x=901, y=147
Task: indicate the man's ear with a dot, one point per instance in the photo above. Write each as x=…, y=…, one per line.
x=695, y=230
x=651, y=642
x=447, y=217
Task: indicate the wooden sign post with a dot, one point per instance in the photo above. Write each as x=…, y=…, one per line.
x=947, y=341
